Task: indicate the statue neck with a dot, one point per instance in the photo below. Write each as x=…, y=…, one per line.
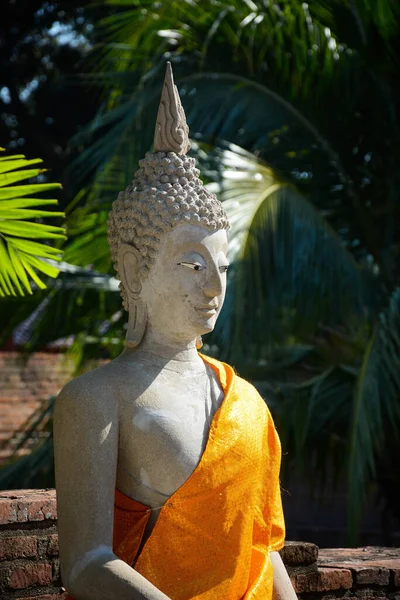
x=162, y=349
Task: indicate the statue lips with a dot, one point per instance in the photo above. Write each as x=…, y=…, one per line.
x=208, y=309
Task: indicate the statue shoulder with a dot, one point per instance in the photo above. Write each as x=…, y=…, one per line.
x=254, y=397
x=249, y=389
x=96, y=390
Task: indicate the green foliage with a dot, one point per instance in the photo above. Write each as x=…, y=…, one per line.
x=345, y=419
x=298, y=104
x=20, y=257
x=301, y=86
x=280, y=247
x=376, y=406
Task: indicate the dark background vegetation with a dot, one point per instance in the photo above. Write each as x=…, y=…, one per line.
x=306, y=96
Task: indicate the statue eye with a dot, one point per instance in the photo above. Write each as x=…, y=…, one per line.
x=194, y=266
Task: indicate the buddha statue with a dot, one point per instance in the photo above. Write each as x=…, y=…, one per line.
x=167, y=462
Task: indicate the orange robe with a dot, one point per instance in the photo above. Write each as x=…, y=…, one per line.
x=213, y=536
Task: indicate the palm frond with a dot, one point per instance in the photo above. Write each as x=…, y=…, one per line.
x=88, y=235
x=233, y=108
x=285, y=138
x=376, y=408
x=291, y=37
x=218, y=106
x=290, y=271
x=20, y=257
x=79, y=303
x=81, y=311
x=195, y=36
x=311, y=417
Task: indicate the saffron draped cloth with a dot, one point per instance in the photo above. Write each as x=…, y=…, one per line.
x=213, y=536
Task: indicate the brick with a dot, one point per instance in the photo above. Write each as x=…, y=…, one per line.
x=358, y=555
x=335, y=579
x=52, y=545
x=324, y=580
x=371, y=575
x=22, y=506
x=30, y=574
x=299, y=553
x=22, y=546
x=371, y=570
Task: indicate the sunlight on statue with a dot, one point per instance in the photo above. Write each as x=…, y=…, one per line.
x=167, y=462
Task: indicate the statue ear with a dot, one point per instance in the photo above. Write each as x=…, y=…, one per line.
x=129, y=263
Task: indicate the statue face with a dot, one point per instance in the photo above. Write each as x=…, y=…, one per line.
x=186, y=285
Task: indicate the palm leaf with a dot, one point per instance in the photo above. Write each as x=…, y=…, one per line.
x=208, y=31
x=376, y=408
x=79, y=302
x=89, y=244
x=311, y=417
x=198, y=34
x=290, y=271
x=20, y=257
x=218, y=106
x=122, y=135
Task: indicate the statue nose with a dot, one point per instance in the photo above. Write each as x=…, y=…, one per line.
x=213, y=286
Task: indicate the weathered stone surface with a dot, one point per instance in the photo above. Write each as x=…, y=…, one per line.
x=323, y=580
x=371, y=566
x=365, y=574
x=21, y=546
x=52, y=545
x=371, y=575
x=23, y=506
x=299, y=553
x=366, y=553
x=30, y=574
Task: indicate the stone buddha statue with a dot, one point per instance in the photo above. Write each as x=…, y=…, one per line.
x=167, y=463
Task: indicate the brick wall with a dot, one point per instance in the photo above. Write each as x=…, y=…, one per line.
x=29, y=567
x=324, y=574
x=26, y=380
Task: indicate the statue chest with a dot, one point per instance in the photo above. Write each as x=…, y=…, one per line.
x=163, y=434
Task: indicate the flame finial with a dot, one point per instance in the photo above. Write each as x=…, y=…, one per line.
x=172, y=132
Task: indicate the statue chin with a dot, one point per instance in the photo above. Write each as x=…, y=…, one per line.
x=206, y=324
x=208, y=327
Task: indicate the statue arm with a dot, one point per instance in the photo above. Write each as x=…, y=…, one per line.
x=283, y=588
x=86, y=451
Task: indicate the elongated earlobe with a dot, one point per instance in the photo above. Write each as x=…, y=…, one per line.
x=136, y=323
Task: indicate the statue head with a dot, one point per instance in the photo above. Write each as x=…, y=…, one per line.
x=168, y=235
